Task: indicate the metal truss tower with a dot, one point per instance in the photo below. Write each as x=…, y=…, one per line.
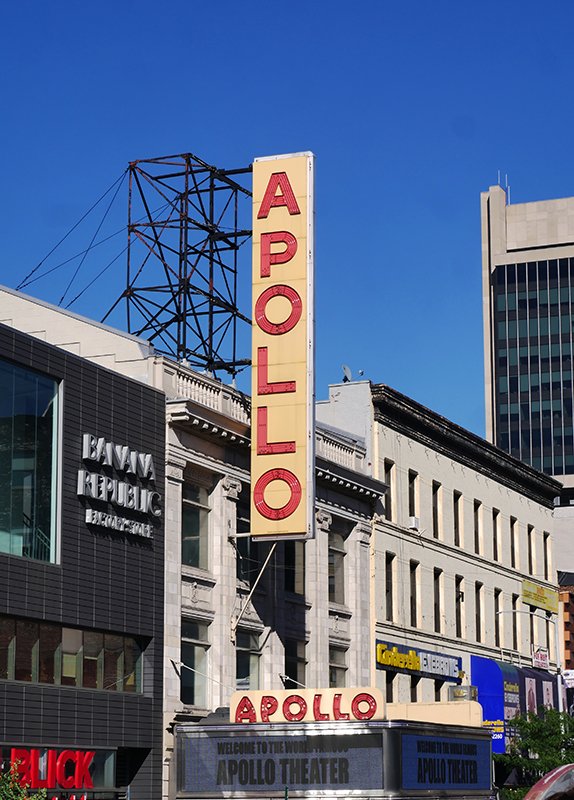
x=182, y=259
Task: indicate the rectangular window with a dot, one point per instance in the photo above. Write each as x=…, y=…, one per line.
x=28, y=458
x=477, y=526
x=497, y=609
x=458, y=603
x=294, y=664
x=457, y=517
x=495, y=533
x=414, y=689
x=295, y=567
x=436, y=509
x=478, y=610
x=50, y=654
x=438, y=691
x=389, y=585
x=336, y=566
x=194, y=657
x=390, y=679
x=514, y=616
x=437, y=591
x=337, y=667
x=247, y=551
x=247, y=655
x=413, y=479
x=546, y=555
x=414, y=570
x=530, y=548
x=195, y=526
x=389, y=475
x=513, y=548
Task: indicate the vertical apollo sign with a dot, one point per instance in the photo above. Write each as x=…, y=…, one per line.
x=283, y=349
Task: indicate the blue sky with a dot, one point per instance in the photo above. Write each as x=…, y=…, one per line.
x=411, y=109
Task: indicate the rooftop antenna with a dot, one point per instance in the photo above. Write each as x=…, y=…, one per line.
x=348, y=376
x=499, y=177
x=507, y=189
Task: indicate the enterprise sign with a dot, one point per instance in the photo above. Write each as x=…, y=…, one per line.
x=401, y=658
x=283, y=354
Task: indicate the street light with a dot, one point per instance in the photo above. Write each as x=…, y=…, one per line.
x=558, y=662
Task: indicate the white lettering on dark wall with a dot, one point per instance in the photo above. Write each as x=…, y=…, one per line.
x=123, y=494
x=118, y=456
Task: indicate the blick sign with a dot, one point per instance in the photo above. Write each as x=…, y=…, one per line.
x=283, y=386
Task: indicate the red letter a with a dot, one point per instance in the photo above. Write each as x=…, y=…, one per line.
x=286, y=198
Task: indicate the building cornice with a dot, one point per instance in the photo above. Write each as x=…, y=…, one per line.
x=400, y=413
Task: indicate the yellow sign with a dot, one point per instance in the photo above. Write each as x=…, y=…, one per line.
x=539, y=596
x=283, y=387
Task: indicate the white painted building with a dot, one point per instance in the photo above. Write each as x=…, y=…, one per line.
x=463, y=524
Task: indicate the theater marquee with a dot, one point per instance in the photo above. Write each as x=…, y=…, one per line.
x=283, y=386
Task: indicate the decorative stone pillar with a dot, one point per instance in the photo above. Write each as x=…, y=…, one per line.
x=317, y=596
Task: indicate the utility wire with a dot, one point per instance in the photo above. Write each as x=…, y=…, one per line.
x=93, y=239
x=72, y=229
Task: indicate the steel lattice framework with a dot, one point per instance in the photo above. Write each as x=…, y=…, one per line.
x=183, y=232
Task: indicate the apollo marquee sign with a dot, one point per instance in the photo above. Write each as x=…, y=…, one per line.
x=283, y=407
x=308, y=705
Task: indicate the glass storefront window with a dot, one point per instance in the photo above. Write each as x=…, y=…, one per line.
x=28, y=451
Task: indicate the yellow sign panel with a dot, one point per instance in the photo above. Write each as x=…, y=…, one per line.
x=539, y=596
x=283, y=388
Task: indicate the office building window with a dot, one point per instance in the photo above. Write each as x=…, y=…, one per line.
x=495, y=533
x=457, y=517
x=337, y=536
x=438, y=691
x=389, y=480
x=337, y=667
x=390, y=679
x=458, y=604
x=28, y=457
x=413, y=483
x=194, y=649
x=530, y=548
x=247, y=656
x=532, y=333
x=513, y=545
x=49, y=653
x=194, y=526
x=477, y=526
x=294, y=663
x=295, y=567
x=531, y=621
x=436, y=509
x=247, y=551
x=389, y=584
x=478, y=610
x=414, y=689
x=437, y=591
x=497, y=623
x=514, y=616
x=546, y=555
x=414, y=577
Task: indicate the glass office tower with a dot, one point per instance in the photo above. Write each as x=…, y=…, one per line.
x=528, y=292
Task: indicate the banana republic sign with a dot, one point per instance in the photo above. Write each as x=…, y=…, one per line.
x=98, y=482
